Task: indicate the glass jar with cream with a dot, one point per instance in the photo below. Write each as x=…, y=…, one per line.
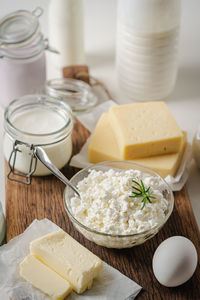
x=36, y=120
x=22, y=55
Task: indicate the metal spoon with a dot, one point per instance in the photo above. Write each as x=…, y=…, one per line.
x=43, y=157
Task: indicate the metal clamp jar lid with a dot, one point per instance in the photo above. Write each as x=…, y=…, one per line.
x=21, y=29
x=36, y=120
x=22, y=55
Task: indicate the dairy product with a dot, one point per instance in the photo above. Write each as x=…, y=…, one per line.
x=66, y=32
x=104, y=147
x=164, y=164
x=145, y=129
x=146, y=52
x=22, y=56
x=21, y=77
x=44, y=278
x=105, y=204
x=38, y=120
x=146, y=68
x=68, y=258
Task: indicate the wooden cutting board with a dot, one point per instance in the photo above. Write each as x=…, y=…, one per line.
x=43, y=199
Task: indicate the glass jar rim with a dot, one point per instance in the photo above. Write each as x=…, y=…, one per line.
x=20, y=35
x=39, y=44
x=27, y=103
x=26, y=28
x=76, y=93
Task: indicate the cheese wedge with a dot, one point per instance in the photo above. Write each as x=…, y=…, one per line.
x=145, y=129
x=104, y=147
x=44, y=279
x=68, y=258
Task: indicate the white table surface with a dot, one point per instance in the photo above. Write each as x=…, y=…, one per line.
x=100, y=24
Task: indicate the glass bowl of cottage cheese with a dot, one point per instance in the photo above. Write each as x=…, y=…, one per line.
x=121, y=204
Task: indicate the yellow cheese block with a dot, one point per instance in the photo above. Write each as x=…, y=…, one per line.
x=68, y=258
x=44, y=279
x=104, y=147
x=145, y=129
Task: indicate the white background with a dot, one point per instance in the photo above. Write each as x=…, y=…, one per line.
x=100, y=25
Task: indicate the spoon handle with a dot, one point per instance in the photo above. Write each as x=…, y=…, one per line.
x=43, y=157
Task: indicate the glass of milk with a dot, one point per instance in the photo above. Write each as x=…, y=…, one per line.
x=66, y=32
x=36, y=120
x=146, y=50
x=22, y=55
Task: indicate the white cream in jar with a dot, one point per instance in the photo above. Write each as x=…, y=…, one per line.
x=38, y=120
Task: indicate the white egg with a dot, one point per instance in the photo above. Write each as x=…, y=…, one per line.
x=174, y=261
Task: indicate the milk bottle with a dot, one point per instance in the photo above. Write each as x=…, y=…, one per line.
x=147, y=44
x=66, y=32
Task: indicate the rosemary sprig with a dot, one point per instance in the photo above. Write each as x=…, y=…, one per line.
x=139, y=191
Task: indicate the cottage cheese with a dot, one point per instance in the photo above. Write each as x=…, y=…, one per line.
x=105, y=205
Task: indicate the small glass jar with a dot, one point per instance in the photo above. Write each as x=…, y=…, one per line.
x=76, y=93
x=22, y=55
x=36, y=120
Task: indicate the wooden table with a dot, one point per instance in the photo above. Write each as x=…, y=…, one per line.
x=43, y=199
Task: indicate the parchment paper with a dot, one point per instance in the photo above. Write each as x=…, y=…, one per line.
x=111, y=284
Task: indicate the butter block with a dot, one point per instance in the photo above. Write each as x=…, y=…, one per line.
x=68, y=258
x=145, y=129
x=44, y=278
x=104, y=147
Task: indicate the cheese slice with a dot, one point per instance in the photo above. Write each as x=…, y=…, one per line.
x=145, y=129
x=44, y=279
x=104, y=147
x=164, y=164
x=68, y=258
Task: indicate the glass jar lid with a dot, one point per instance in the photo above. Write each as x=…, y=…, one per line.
x=38, y=120
x=76, y=93
x=19, y=28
